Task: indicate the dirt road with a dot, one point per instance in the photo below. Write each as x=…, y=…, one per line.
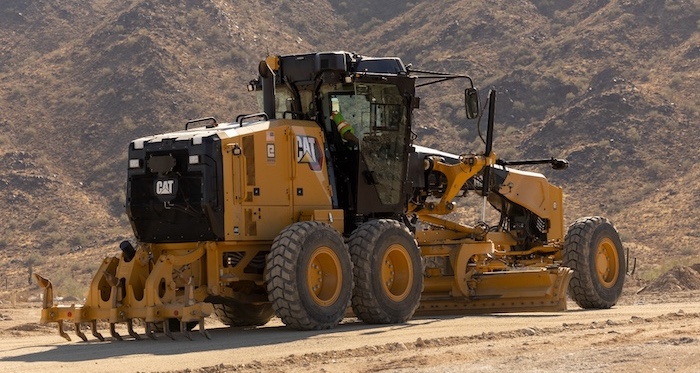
x=637, y=336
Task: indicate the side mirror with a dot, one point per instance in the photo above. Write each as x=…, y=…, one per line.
x=559, y=164
x=471, y=102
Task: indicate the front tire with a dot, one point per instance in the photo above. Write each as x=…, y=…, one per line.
x=309, y=276
x=388, y=272
x=593, y=249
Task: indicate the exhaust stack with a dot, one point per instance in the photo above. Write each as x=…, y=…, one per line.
x=267, y=70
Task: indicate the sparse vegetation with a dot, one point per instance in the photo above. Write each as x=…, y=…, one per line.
x=34, y=260
x=67, y=285
x=78, y=239
x=42, y=221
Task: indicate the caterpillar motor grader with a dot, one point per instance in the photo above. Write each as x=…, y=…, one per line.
x=277, y=213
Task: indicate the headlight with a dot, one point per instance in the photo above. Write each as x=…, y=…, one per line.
x=134, y=163
x=194, y=159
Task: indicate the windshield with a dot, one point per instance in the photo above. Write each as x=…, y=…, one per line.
x=372, y=109
x=378, y=115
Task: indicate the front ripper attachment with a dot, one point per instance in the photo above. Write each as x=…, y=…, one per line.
x=127, y=289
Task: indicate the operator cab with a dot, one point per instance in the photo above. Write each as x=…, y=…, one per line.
x=377, y=113
x=376, y=97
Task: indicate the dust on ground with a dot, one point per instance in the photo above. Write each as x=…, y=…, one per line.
x=655, y=327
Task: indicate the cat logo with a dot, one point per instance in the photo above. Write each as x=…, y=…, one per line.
x=165, y=189
x=309, y=151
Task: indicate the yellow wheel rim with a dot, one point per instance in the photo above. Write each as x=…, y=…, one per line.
x=396, y=273
x=324, y=276
x=607, y=263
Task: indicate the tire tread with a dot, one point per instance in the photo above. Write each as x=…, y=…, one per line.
x=364, y=300
x=577, y=248
x=280, y=278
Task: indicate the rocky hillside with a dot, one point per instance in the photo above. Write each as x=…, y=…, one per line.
x=610, y=85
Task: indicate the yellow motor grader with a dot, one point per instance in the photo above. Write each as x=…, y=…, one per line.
x=281, y=213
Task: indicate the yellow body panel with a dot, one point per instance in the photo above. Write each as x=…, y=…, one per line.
x=277, y=171
x=534, y=192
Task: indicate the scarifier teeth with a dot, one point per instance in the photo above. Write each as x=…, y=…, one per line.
x=95, y=333
x=79, y=331
x=151, y=330
x=113, y=332
x=62, y=332
x=184, y=330
x=130, y=328
x=166, y=330
x=203, y=330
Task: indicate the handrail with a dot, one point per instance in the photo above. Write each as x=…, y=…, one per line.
x=241, y=117
x=211, y=125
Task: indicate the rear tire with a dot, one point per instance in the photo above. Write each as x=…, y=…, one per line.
x=244, y=314
x=309, y=276
x=388, y=272
x=593, y=249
